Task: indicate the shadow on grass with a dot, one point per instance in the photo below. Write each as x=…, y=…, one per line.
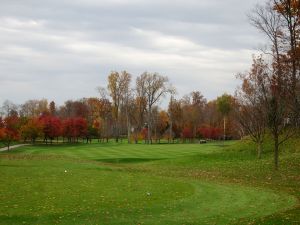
x=6, y=165
x=128, y=160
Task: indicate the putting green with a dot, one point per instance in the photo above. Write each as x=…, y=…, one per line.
x=43, y=190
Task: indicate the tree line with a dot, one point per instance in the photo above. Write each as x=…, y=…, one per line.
x=123, y=111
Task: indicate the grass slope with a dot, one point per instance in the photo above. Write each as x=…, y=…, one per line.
x=142, y=184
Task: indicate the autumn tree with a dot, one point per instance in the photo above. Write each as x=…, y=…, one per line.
x=208, y=132
x=251, y=110
x=34, y=108
x=126, y=113
x=75, y=128
x=93, y=105
x=175, y=112
x=81, y=128
x=187, y=134
x=211, y=115
x=8, y=108
x=118, y=86
x=51, y=127
x=279, y=21
x=2, y=132
x=154, y=86
x=105, y=111
x=32, y=129
x=162, y=124
x=29, y=108
x=68, y=129
x=193, y=110
x=140, y=104
x=52, y=108
x=170, y=114
x=224, y=107
x=10, y=130
x=289, y=11
x=95, y=129
x=77, y=108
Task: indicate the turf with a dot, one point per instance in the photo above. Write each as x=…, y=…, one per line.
x=147, y=184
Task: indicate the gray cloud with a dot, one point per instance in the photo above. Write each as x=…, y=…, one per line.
x=62, y=49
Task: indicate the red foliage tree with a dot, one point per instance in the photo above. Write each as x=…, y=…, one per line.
x=67, y=129
x=186, y=133
x=81, y=127
x=1, y=128
x=73, y=128
x=9, y=130
x=216, y=133
x=51, y=127
x=2, y=133
x=209, y=132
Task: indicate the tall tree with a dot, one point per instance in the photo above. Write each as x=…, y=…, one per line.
x=118, y=86
x=279, y=22
x=52, y=108
x=162, y=124
x=8, y=108
x=224, y=107
x=251, y=110
x=289, y=10
x=34, y=108
x=141, y=103
x=193, y=108
x=175, y=112
x=29, y=108
x=154, y=86
x=42, y=107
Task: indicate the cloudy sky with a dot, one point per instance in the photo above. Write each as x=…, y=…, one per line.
x=64, y=49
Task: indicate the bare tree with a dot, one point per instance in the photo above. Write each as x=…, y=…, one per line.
x=8, y=108
x=153, y=86
x=289, y=11
x=102, y=92
x=251, y=111
x=277, y=89
x=140, y=101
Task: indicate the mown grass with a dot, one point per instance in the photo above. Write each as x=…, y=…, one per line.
x=148, y=184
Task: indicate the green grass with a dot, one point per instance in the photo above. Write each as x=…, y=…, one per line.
x=148, y=184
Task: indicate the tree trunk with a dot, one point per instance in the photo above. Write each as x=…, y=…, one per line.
x=171, y=129
x=128, y=130
x=259, y=150
x=117, y=132
x=149, y=125
x=224, y=134
x=276, y=151
x=135, y=136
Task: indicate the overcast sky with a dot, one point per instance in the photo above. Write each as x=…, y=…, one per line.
x=64, y=49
